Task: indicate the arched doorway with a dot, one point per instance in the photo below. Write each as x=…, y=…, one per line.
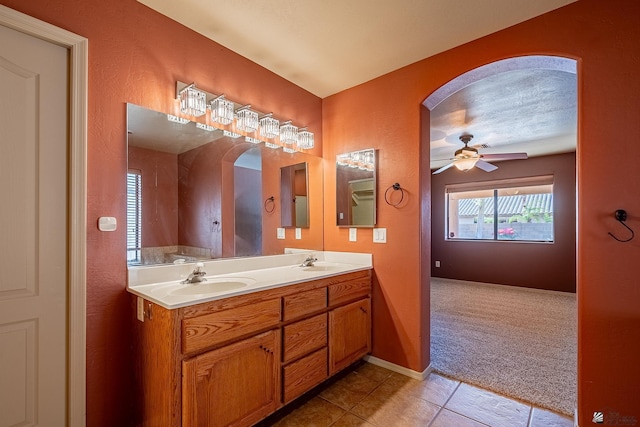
x=519, y=104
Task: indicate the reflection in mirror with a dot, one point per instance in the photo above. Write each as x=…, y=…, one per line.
x=195, y=194
x=293, y=196
x=356, y=188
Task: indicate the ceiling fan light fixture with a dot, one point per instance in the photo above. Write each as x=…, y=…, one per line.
x=465, y=164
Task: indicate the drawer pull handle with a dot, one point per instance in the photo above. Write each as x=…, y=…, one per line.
x=363, y=309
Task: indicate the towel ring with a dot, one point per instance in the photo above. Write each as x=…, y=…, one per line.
x=270, y=204
x=621, y=217
x=395, y=187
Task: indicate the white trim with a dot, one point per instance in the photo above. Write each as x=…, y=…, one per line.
x=78, y=70
x=400, y=369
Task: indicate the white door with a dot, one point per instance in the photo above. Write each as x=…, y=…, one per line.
x=34, y=125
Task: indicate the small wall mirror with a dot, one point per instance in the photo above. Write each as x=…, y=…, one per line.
x=356, y=188
x=294, y=201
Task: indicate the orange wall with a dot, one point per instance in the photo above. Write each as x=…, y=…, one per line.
x=136, y=55
x=386, y=112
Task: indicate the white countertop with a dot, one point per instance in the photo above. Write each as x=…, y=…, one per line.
x=238, y=276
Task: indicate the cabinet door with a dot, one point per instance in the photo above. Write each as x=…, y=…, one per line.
x=349, y=334
x=235, y=385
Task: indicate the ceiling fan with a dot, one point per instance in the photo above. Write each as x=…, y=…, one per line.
x=468, y=157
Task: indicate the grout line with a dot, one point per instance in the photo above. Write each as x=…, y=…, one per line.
x=444, y=404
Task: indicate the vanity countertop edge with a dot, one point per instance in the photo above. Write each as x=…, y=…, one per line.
x=157, y=283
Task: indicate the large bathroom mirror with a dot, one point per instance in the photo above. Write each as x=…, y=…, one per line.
x=294, y=200
x=196, y=193
x=356, y=188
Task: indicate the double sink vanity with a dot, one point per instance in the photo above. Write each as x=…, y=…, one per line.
x=255, y=335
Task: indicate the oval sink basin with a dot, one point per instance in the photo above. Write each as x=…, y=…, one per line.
x=211, y=286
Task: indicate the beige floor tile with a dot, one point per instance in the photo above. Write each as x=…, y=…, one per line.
x=435, y=388
x=543, y=418
x=489, y=408
x=317, y=412
x=374, y=372
x=350, y=420
x=447, y=418
x=397, y=411
x=349, y=390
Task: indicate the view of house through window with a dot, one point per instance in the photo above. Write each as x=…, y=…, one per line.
x=134, y=216
x=515, y=209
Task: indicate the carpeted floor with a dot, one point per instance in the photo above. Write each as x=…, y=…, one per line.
x=516, y=341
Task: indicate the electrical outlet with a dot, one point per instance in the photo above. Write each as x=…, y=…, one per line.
x=437, y=263
x=353, y=234
x=298, y=233
x=140, y=306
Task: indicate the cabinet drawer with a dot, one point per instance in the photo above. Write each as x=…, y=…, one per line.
x=349, y=291
x=216, y=328
x=302, y=303
x=304, y=336
x=304, y=374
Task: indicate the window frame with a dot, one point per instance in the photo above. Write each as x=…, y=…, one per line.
x=134, y=217
x=495, y=187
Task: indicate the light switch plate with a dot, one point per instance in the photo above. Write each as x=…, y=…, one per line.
x=353, y=234
x=298, y=233
x=379, y=235
x=280, y=233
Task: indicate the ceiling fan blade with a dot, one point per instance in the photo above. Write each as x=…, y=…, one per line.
x=485, y=166
x=505, y=156
x=444, y=168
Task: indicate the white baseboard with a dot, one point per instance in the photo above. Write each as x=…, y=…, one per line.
x=399, y=369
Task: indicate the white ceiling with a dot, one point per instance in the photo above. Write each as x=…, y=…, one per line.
x=326, y=46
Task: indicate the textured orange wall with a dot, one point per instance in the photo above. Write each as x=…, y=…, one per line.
x=385, y=113
x=136, y=55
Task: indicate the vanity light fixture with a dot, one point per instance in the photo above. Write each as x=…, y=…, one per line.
x=222, y=110
x=177, y=119
x=193, y=101
x=231, y=134
x=269, y=127
x=288, y=149
x=288, y=133
x=305, y=139
x=202, y=126
x=246, y=119
x=271, y=145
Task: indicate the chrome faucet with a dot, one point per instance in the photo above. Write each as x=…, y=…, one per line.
x=308, y=262
x=197, y=275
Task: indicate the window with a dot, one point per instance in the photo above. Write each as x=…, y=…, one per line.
x=134, y=217
x=516, y=209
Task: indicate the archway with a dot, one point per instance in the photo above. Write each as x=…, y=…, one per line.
x=512, y=66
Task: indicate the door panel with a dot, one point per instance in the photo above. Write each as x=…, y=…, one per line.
x=33, y=254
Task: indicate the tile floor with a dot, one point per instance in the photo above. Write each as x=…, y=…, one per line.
x=367, y=395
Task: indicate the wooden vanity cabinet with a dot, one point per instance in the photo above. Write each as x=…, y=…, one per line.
x=232, y=362
x=236, y=385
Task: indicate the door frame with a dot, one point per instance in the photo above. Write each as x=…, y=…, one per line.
x=77, y=219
